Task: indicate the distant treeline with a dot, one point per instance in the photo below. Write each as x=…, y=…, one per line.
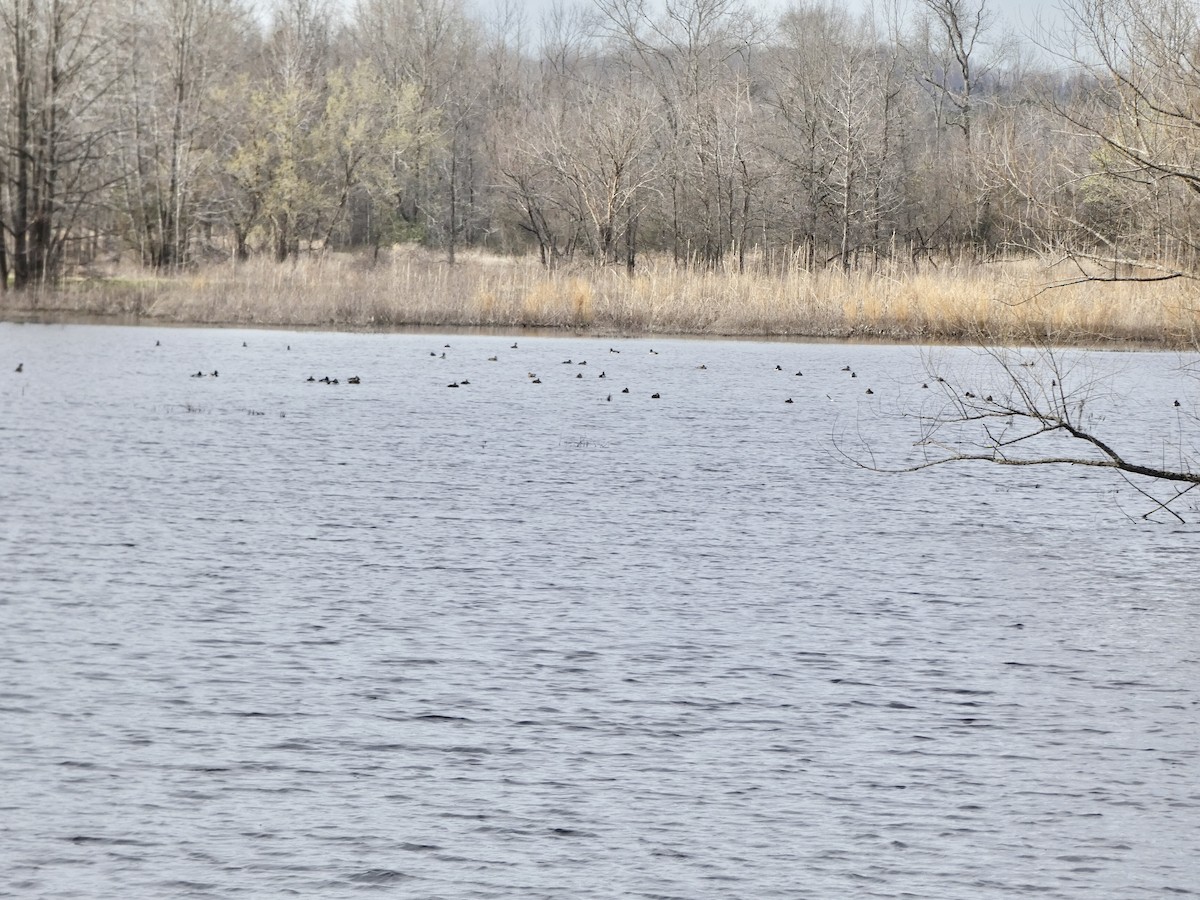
x=178, y=131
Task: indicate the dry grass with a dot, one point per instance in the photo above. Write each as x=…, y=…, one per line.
x=999, y=302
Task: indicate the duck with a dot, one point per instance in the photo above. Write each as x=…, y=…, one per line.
x=197, y=375
x=609, y=398
x=655, y=396
x=157, y=343
x=215, y=373
x=464, y=381
x=789, y=400
x=602, y=375
x=800, y=373
x=335, y=381
x=853, y=374
x=324, y=380
x=625, y=390
x=654, y=353
x=611, y=350
x=845, y=368
x=869, y=391
x=702, y=366
x=779, y=368
x=536, y=381
x=353, y=379
x=514, y=346
x=433, y=353
x=492, y=359
x=310, y=378
x=583, y=362
x=1176, y=402
x=453, y=384
x=578, y=374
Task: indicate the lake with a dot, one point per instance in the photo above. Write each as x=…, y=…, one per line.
x=264, y=636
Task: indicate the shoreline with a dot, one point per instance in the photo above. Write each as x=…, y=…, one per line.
x=129, y=320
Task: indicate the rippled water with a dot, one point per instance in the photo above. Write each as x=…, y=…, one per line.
x=261, y=637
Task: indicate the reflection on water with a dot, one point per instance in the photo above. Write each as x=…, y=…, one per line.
x=261, y=635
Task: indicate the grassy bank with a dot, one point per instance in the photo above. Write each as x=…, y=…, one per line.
x=964, y=301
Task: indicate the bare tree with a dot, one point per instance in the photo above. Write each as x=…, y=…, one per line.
x=841, y=103
x=1047, y=407
x=178, y=52
x=687, y=53
x=601, y=155
x=1129, y=206
x=58, y=71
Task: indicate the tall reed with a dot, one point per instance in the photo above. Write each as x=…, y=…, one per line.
x=960, y=300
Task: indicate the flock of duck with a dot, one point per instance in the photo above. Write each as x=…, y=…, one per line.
x=535, y=379
x=532, y=376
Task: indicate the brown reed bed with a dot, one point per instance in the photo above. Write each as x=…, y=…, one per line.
x=1001, y=302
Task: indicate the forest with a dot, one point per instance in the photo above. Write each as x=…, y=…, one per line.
x=172, y=134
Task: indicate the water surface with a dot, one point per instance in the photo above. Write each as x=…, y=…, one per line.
x=261, y=636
